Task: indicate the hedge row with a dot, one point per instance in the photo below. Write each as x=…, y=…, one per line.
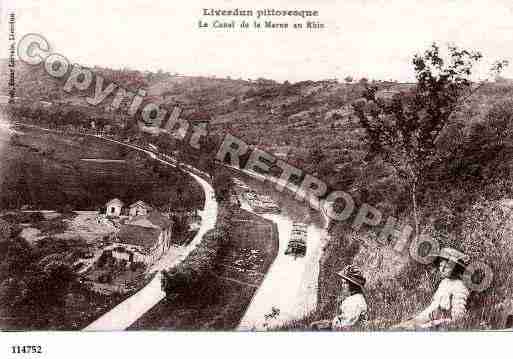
x=189, y=277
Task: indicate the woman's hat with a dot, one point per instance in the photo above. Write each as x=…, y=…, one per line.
x=454, y=256
x=353, y=274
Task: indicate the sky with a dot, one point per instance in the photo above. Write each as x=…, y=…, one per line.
x=362, y=38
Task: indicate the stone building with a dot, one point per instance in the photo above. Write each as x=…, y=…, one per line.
x=139, y=208
x=144, y=239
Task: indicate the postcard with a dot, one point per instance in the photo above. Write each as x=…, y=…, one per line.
x=289, y=166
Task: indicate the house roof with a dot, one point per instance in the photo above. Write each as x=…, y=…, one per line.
x=152, y=220
x=115, y=201
x=138, y=236
x=140, y=204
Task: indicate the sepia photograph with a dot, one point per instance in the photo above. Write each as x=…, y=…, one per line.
x=288, y=166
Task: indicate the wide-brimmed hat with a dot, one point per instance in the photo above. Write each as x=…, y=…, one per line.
x=353, y=274
x=453, y=255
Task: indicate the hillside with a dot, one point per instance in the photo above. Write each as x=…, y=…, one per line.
x=309, y=123
x=313, y=126
x=47, y=171
x=293, y=117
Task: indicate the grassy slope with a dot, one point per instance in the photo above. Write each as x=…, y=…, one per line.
x=45, y=170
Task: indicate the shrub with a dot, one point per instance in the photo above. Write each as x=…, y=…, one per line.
x=24, y=217
x=8, y=230
x=104, y=258
x=105, y=278
x=13, y=291
x=52, y=226
x=16, y=256
x=135, y=266
x=189, y=277
x=67, y=211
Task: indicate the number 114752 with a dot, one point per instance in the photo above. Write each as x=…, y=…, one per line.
x=26, y=349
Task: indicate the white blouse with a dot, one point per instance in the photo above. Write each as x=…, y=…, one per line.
x=352, y=311
x=449, y=302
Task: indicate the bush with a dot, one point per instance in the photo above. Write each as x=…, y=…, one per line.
x=16, y=256
x=189, y=276
x=24, y=217
x=8, y=230
x=223, y=184
x=67, y=211
x=104, y=258
x=52, y=226
x=105, y=278
x=135, y=266
x=13, y=291
x=72, y=247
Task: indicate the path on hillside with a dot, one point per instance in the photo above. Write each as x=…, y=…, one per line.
x=127, y=312
x=290, y=285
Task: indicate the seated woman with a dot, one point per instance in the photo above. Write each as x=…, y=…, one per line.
x=352, y=311
x=450, y=300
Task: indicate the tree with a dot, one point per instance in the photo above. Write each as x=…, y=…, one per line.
x=404, y=130
x=15, y=255
x=348, y=79
x=180, y=223
x=222, y=183
x=13, y=291
x=192, y=277
x=8, y=230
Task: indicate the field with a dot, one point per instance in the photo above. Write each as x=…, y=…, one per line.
x=79, y=307
x=45, y=171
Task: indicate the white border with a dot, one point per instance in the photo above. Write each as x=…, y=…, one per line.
x=142, y=345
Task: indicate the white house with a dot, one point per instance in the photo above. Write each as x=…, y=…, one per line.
x=139, y=208
x=113, y=208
